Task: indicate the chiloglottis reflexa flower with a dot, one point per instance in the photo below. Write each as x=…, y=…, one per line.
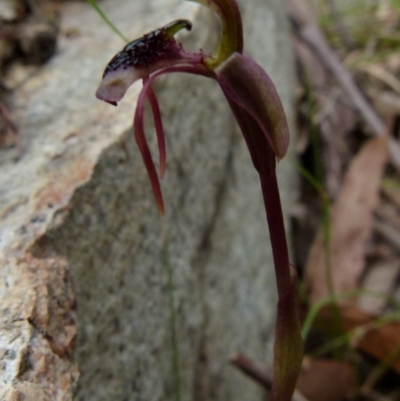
x=257, y=108
x=247, y=87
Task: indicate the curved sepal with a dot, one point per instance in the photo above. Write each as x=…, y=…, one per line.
x=232, y=31
x=245, y=83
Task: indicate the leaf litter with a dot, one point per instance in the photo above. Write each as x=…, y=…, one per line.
x=347, y=216
x=351, y=224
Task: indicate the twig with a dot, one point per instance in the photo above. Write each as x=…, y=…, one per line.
x=259, y=373
x=314, y=38
x=390, y=233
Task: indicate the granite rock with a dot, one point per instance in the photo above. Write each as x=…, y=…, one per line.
x=83, y=284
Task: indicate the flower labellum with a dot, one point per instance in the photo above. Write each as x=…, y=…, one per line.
x=140, y=58
x=153, y=54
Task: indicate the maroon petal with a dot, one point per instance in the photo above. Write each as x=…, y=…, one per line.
x=144, y=149
x=246, y=84
x=159, y=129
x=138, y=125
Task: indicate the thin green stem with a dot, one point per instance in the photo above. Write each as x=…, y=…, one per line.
x=316, y=182
x=326, y=225
x=311, y=179
x=357, y=333
x=332, y=299
x=378, y=372
x=103, y=15
x=337, y=326
x=166, y=261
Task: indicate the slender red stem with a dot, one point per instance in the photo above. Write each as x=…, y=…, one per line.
x=264, y=162
x=273, y=208
x=159, y=129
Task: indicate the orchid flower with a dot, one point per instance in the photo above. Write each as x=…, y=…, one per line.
x=257, y=108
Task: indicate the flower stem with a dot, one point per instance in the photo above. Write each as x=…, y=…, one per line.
x=288, y=348
x=273, y=208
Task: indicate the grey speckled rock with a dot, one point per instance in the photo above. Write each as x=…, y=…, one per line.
x=80, y=233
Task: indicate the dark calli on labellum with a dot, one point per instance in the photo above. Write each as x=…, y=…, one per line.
x=257, y=108
x=141, y=57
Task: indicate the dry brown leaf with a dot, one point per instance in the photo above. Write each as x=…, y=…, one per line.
x=385, y=102
x=350, y=227
x=381, y=74
x=381, y=277
x=324, y=380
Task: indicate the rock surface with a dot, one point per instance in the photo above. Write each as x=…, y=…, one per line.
x=80, y=235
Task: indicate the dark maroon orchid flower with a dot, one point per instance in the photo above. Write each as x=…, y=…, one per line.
x=245, y=84
x=257, y=108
